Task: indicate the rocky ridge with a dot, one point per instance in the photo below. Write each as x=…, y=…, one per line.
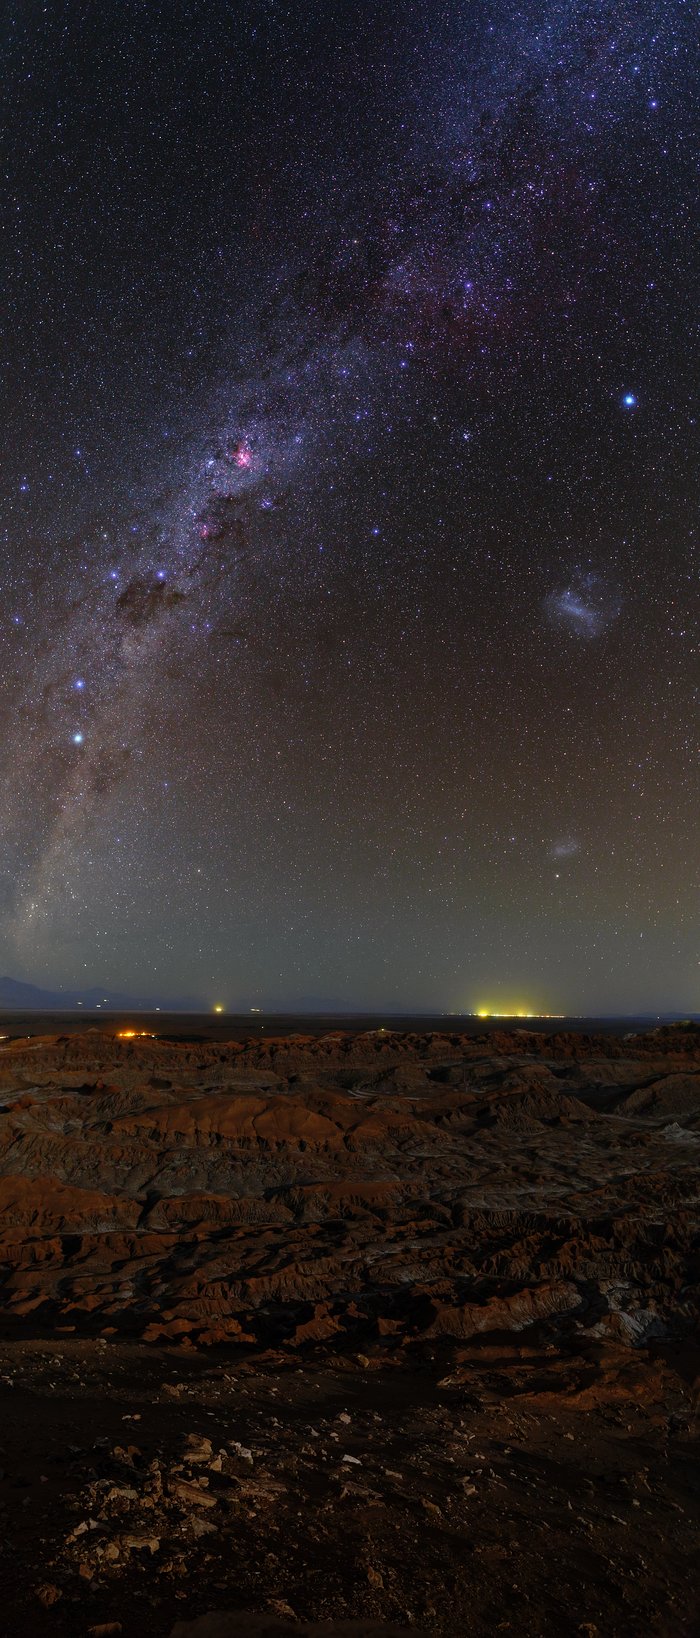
x=358, y=1191
x=350, y=1336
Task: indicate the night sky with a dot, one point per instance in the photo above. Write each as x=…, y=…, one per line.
x=349, y=495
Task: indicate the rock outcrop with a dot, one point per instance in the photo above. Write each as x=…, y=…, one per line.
x=380, y=1190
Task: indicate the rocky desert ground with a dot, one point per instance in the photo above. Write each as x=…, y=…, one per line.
x=360, y=1334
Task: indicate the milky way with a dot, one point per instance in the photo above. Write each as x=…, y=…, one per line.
x=349, y=499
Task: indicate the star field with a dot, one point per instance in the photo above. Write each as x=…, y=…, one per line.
x=349, y=495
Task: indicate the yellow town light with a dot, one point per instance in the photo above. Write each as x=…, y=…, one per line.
x=218, y=1007
x=515, y=1012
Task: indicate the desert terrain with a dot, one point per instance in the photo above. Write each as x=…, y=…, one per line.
x=350, y=1333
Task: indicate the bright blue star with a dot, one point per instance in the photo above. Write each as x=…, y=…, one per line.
x=629, y=401
x=79, y=684
x=77, y=738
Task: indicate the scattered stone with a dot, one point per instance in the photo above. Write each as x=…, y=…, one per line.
x=81, y=1530
x=140, y=1544
x=241, y=1450
x=190, y=1492
x=197, y=1448
x=48, y=1593
x=202, y=1527
x=121, y=1493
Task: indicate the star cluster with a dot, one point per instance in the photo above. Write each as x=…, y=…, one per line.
x=349, y=494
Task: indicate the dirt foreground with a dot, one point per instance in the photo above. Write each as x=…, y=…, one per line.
x=353, y=1335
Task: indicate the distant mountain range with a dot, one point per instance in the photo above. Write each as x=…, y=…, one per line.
x=16, y=996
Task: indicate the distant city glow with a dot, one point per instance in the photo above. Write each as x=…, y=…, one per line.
x=514, y=1012
x=218, y=1007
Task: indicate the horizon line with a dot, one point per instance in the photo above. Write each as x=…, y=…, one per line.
x=337, y=1012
